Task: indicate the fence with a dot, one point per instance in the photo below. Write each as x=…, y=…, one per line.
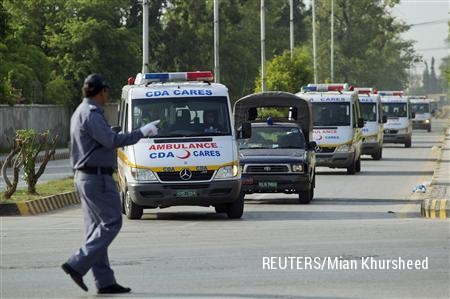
x=54, y=118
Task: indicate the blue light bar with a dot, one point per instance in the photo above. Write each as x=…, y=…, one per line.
x=157, y=76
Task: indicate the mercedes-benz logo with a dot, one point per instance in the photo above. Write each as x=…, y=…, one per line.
x=185, y=174
x=267, y=168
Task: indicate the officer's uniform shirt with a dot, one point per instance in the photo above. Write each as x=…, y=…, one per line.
x=93, y=142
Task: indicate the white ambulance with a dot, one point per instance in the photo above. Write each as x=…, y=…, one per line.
x=421, y=107
x=371, y=112
x=397, y=108
x=194, y=158
x=337, y=125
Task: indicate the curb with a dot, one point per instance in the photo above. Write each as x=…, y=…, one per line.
x=39, y=206
x=438, y=206
x=435, y=208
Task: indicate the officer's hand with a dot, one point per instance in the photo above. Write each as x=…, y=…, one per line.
x=150, y=129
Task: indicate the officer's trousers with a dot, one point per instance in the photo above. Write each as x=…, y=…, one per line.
x=102, y=213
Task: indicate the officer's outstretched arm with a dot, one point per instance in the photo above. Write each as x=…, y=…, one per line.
x=99, y=129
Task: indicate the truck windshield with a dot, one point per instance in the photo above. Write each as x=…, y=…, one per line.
x=421, y=108
x=369, y=111
x=394, y=109
x=273, y=137
x=199, y=116
x=331, y=114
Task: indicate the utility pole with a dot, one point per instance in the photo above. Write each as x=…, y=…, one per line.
x=216, y=42
x=291, y=25
x=145, y=38
x=263, y=47
x=332, y=42
x=314, y=39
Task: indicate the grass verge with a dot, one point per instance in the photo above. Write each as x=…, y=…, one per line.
x=43, y=190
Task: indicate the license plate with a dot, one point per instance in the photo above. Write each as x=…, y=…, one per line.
x=267, y=184
x=185, y=193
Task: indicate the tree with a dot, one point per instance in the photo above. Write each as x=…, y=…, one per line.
x=368, y=48
x=286, y=74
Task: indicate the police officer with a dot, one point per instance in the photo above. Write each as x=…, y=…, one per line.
x=94, y=160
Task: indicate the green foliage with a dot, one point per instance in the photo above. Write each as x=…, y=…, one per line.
x=286, y=74
x=368, y=48
x=58, y=91
x=51, y=45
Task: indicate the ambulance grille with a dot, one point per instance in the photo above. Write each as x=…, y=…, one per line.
x=327, y=150
x=175, y=176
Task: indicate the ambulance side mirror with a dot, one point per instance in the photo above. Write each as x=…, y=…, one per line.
x=246, y=131
x=384, y=119
x=360, y=123
x=413, y=114
x=116, y=129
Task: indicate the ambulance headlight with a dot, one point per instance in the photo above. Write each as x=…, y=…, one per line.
x=427, y=121
x=297, y=167
x=371, y=139
x=345, y=148
x=140, y=174
x=402, y=131
x=227, y=172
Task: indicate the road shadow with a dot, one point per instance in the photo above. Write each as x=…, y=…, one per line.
x=333, y=201
x=220, y=295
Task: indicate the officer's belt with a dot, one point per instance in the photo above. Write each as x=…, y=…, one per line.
x=97, y=170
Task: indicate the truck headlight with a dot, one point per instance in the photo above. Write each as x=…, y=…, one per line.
x=297, y=168
x=227, y=172
x=140, y=174
x=427, y=121
x=345, y=148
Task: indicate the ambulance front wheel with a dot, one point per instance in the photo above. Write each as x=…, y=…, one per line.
x=378, y=155
x=132, y=210
x=235, y=209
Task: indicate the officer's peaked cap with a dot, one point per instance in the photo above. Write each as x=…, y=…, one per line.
x=95, y=82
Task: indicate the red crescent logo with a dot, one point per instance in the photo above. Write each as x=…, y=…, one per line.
x=188, y=154
x=319, y=137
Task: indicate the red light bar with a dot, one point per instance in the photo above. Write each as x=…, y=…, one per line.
x=200, y=76
x=391, y=93
x=366, y=90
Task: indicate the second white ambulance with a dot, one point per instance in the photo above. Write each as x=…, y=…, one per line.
x=337, y=125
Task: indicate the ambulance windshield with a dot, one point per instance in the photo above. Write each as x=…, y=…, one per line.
x=369, y=111
x=199, y=116
x=394, y=109
x=331, y=114
x=421, y=108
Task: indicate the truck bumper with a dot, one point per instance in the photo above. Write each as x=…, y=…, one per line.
x=396, y=138
x=275, y=183
x=336, y=159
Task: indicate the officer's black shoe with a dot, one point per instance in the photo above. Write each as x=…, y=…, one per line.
x=77, y=278
x=114, y=289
